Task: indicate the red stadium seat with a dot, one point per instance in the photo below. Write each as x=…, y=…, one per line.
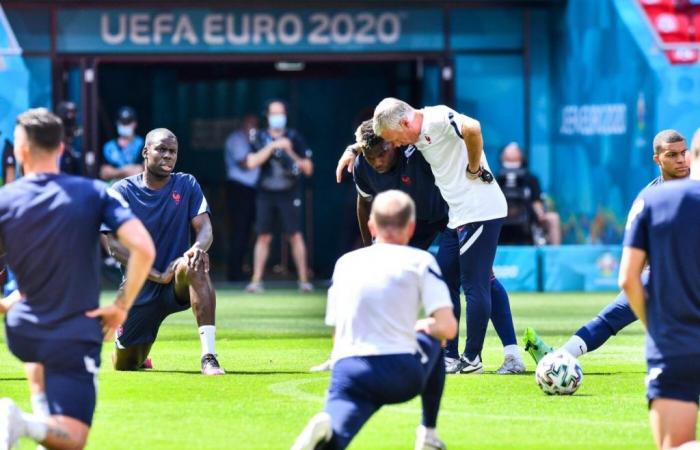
x=683, y=56
x=695, y=22
x=657, y=6
x=672, y=27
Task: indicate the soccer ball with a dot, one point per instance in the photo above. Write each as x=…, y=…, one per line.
x=559, y=373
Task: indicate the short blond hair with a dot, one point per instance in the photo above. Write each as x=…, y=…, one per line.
x=388, y=114
x=393, y=209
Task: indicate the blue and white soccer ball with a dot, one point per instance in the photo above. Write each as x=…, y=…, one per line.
x=559, y=373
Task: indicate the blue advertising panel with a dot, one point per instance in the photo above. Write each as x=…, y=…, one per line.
x=517, y=268
x=580, y=267
x=248, y=31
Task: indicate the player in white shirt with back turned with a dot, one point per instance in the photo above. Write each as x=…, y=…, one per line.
x=453, y=146
x=382, y=354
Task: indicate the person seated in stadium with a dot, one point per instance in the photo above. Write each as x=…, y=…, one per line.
x=122, y=155
x=527, y=222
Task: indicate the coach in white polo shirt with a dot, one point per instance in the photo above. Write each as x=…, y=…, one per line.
x=381, y=353
x=453, y=146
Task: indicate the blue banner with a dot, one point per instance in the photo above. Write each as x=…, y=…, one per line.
x=580, y=267
x=248, y=31
x=517, y=268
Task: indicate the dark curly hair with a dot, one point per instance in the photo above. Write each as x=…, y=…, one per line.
x=370, y=144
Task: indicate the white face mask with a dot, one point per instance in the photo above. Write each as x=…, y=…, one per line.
x=125, y=131
x=512, y=165
x=277, y=121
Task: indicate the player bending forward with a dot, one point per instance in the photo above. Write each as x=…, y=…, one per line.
x=382, y=354
x=172, y=206
x=50, y=232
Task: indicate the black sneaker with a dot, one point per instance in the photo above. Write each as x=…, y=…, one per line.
x=210, y=365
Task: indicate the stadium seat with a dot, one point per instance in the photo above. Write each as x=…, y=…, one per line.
x=654, y=7
x=683, y=56
x=672, y=27
x=695, y=22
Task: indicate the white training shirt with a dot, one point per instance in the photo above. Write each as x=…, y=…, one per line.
x=442, y=145
x=376, y=297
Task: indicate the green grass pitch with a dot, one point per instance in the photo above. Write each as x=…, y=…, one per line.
x=268, y=342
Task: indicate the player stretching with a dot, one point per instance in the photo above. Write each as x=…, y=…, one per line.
x=670, y=154
x=453, y=146
x=379, y=359
x=171, y=205
x=663, y=227
x=382, y=166
x=50, y=231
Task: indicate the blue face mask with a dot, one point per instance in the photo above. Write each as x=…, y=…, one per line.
x=125, y=131
x=277, y=121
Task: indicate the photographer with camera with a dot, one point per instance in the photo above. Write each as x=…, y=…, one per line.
x=70, y=162
x=528, y=222
x=283, y=157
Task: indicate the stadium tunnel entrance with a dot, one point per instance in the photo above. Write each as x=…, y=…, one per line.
x=203, y=101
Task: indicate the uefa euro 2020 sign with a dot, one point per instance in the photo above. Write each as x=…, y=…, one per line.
x=234, y=31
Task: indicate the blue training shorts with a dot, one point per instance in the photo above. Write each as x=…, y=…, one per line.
x=70, y=372
x=676, y=378
x=143, y=322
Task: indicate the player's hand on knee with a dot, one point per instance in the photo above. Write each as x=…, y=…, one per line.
x=346, y=161
x=197, y=259
x=112, y=317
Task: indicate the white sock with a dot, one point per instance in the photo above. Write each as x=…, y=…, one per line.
x=40, y=406
x=512, y=350
x=427, y=432
x=36, y=427
x=576, y=346
x=207, y=335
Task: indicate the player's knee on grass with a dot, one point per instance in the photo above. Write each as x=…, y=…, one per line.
x=130, y=358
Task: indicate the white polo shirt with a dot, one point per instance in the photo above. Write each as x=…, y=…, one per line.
x=376, y=297
x=442, y=146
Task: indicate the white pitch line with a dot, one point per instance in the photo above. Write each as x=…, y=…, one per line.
x=292, y=388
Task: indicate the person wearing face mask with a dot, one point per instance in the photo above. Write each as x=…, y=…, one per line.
x=122, y=155
x=526, y=211
x=283, y=157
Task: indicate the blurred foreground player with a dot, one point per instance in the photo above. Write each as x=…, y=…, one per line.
x=381, y=354
x=671, y=155
x=56, y=322
x=173, y=207
x=663, y=229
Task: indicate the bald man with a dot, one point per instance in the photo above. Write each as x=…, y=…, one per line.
x=383, y=353
x=173, y=208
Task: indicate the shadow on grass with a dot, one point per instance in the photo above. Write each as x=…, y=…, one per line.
x=13, y=379
x=231, y=372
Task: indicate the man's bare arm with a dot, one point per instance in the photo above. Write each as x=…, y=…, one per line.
x=631, y=266
x=204, y=236
x=471, y=133
x=121, y=254
x=363, y=210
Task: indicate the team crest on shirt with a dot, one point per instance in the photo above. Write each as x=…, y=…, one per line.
x=405, y=179
x=176, y=197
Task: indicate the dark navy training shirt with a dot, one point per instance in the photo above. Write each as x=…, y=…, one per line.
x=50, y=228
x=412, y=175
x=167, y=215
x=665, y=223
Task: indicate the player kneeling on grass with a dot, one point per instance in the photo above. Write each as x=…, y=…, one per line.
x=663, y=228
x=50, y=232
x=172, y=206
x=381, y=354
